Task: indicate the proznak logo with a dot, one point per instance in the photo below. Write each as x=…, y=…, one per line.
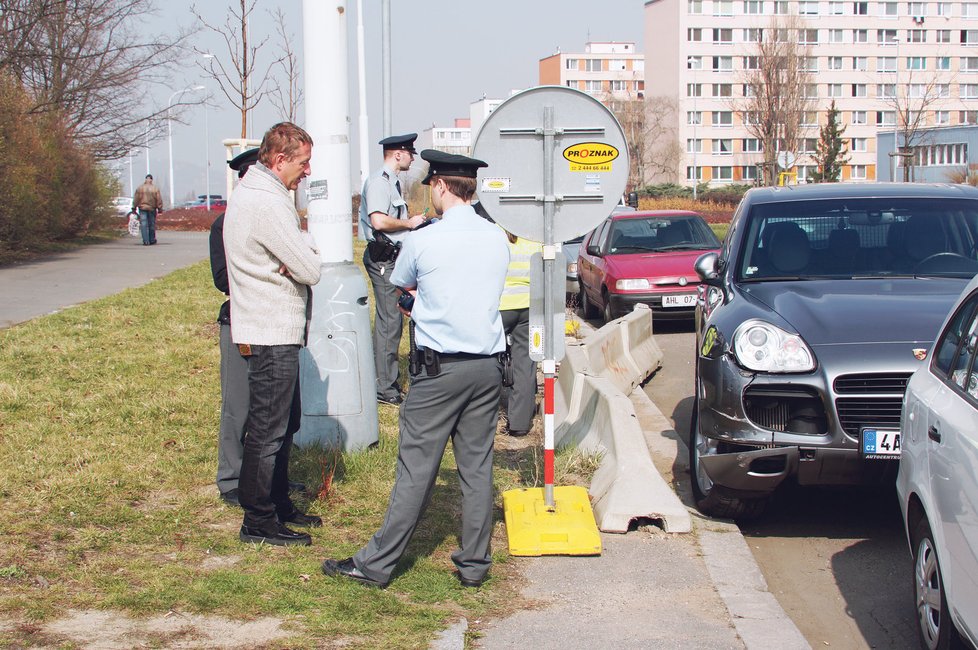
x=591, y=153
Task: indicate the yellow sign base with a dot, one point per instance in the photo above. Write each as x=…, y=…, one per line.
x=533, y=529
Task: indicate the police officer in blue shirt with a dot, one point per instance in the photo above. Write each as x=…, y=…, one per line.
x=455, y=269
x=384, y=222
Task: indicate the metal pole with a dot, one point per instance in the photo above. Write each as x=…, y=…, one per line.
x=899, y=111
x=549, y=361
x=207, y=161
x=362, y=86
x=131, y=188
x=696, y=180
x=386, y=56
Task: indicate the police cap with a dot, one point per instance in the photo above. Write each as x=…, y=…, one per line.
x=243, y=161
x=405, y=142
x=449, y=164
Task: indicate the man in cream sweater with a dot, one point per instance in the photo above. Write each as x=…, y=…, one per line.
x=271, y=263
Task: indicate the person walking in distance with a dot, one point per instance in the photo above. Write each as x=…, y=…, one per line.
x=384, y=222
x=149, y=203
x=270, y=267
x=455, y=393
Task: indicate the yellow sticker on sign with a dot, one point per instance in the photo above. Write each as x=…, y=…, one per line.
x=590, y=157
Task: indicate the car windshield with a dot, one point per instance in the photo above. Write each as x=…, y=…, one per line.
x=658, y=234
x=860, y=238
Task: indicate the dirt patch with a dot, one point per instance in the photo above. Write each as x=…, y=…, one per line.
x=98, y=630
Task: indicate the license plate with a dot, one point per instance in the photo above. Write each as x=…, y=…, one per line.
x=880, y=443
x=680, y=300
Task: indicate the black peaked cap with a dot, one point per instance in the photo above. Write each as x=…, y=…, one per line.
x=405, y=142
x=244, y=159
x=450, y=164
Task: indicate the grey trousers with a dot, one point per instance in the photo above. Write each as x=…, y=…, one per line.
x=521, y=399
x=460, y=404
x=388, y=325
x=234, y=412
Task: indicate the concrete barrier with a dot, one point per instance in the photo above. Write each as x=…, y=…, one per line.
x=592, y=410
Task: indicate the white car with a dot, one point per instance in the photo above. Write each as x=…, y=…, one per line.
x=122, y=204
x=938, y=479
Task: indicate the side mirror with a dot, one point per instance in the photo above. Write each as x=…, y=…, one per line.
x=593, y=249
x=707, y=267
x=633, y=199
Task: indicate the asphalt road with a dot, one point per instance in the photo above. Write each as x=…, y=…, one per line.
x=836, y=560
x=49, y=284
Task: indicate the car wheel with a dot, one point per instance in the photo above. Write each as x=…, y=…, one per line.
x=935, y=629
x=588, y=311
x=606, y=311
x=711, y=499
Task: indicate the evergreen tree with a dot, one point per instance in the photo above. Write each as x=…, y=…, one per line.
x=830, y=155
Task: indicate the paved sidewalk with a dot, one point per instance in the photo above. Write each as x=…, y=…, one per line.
x=49, y=284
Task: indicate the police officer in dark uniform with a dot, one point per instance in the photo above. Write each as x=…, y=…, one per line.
x=455, y=269
x=384, y=222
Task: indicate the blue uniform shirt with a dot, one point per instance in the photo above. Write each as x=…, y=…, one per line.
x=459, y=268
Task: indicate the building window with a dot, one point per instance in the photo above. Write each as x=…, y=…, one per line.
x=968, y=117
x=809, y=118
x=809, y=64
x=808, y=8
x=943, y=8
x=943, y=90
x=722, y=35
x=860, y=36
x=860, y=8
x=572, y=83
x=723, y=90
x=969, y=64
x=694, y=173
x=836, y=36
x=592, y=86
x=936, y=155
x=837, y=8
x=753, y=35
x=694, y=90
x=618, y=85
x=781, y=7
x=859, y=63
x=807, y=145
x=751, y=145
x=886, y=64
x=571, y=64
x=916, y=63
x=753, y=7
x=835, y=63
x=943, y=35
x=724, y=173
x=748, y=172
x=808, y=36
x=858, y=172
x=859, y=117
x=722, y=63
x=888, y=9
x=752, y=63
x=942, y=117
x=969, y=91
x=969, y=36
x=809, y=91
x=694, y=63
x=694, y=34
x=917, y=8
x=723, y=7
x=749, y=90
x=723, y=147
x=694, y=146
x=887, y=91
x=694, y=6
x=969, y=9
x=592, y=65
x=886, y=36
x=722, y=118
x=694, y=117
x=858, y=144
x=885, y=118
x=835, y=90
x=942, y=63
x=858, y=90
x=804, y=172
x=616, y=65
x=918, y=36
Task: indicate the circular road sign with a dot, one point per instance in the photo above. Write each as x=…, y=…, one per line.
x=551, y=144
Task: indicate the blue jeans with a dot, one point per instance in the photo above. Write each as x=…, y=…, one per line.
x=147, y=226
x=263, y=486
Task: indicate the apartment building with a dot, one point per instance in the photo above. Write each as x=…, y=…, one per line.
x=863, y=54
x=604, y=70
x=450, y=139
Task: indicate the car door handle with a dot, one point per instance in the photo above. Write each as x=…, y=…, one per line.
x=933, y=434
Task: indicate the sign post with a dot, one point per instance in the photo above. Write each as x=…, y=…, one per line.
x=539, y=196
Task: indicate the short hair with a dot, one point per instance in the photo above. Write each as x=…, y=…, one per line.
x=461, y=186
x=285, y=138
x=149, y=176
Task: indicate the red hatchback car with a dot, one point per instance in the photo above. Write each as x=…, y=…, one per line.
x=643, y=257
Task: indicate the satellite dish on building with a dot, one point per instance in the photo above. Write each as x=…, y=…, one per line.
x=786, y=159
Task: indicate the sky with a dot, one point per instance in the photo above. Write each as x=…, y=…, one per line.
x=477, y=48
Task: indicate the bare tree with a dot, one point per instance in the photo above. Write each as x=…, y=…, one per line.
x=286, y=99
x=236, y=77
x=650, y=131
x=93, y=63
x=776, y=94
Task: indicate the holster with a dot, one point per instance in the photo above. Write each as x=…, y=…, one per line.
x=506, y=358
x=382, y=249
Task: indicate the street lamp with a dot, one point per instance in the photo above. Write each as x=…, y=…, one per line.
x=169, y=132
x=691, y=64
x=895, y=156
x=207, y=151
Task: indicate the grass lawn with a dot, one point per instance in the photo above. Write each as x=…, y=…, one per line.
x=108, y=429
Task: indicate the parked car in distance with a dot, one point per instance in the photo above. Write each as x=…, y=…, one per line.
x=643, y=257
x=216, y=204
x=571, y=249
x=122, y=205
x=814, y=315
x=938, y=480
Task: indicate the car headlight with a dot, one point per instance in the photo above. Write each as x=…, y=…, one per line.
x=632, y=284
x=763, y=347
x=572, y=268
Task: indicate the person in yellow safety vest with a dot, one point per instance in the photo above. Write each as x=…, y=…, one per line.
x=514, y=307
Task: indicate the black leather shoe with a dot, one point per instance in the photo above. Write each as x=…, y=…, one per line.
x=281, y=537
x=231, y=497
x=348, y=569
x=465, y=582
x=396, y=400
x=302, y=519
x=517, y=433
x=295, y=486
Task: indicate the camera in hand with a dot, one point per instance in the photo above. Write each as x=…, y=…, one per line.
x=405, y=301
